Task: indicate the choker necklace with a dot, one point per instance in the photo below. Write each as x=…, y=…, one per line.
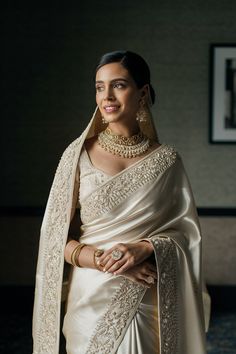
x=122, y=146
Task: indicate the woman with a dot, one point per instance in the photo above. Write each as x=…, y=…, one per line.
x=136, y=284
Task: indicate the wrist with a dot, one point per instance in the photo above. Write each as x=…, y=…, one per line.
x=148, y=245
x=87, y=257
x=76, y=253
x=70, y=246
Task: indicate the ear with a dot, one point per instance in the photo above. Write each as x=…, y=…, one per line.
x=144, y=92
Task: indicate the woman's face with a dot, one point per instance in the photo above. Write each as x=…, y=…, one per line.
x=117, y=95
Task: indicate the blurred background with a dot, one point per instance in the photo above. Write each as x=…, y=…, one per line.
x=48, y=56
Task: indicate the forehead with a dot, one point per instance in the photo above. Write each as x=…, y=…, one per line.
x=112, y=71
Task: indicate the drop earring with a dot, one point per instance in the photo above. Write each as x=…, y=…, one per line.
x=141, y=114
x=104, y=120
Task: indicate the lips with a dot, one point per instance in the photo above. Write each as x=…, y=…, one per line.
x=111, y=108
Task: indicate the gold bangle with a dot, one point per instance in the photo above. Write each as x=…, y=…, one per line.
x=72, y=256
x=97, y=254
x=75, y=253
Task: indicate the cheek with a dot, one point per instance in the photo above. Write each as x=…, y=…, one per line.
x=130, y=98
x=98, y=99
x=132, y=101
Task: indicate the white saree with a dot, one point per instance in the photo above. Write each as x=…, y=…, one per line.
x=109, y=314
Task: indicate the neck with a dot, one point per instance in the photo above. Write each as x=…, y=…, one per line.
x=126, y=131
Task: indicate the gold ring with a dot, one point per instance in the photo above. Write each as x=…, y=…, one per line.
x=97, y=254
x=150, y=280
x=117, y=254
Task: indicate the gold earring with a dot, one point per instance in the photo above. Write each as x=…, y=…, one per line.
x=104, y=120
x=141, y=114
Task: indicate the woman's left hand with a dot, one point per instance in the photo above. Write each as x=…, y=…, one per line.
x=131, y=254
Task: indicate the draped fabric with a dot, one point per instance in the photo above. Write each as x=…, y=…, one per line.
x=149, y=200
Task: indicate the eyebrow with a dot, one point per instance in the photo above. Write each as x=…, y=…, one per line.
x=114, y=80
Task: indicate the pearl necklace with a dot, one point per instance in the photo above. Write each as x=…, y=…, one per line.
x=133, y=146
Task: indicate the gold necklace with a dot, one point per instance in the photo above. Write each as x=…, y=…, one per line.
x=133, y=146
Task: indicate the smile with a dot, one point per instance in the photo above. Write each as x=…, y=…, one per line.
x=110, y=109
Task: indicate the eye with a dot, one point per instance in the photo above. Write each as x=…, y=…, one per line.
x=99, y=88
x=119, y=85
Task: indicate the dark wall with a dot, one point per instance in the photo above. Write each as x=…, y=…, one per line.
x=42, y=62
x=48, y=59
x=48, y=56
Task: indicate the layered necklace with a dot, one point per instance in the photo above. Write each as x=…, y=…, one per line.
x=133, y=146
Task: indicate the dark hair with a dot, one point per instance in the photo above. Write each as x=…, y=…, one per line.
x=134, y=63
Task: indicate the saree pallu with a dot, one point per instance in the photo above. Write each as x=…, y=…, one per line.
x=149, y=200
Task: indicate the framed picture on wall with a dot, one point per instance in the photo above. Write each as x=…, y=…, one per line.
x=223, y=93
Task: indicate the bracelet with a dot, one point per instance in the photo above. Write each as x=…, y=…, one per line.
x=97, y=254
x=75, y=254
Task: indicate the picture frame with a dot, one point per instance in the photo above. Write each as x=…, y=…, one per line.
x=222, y=94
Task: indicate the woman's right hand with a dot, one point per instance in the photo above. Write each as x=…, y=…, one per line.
x=144, y=273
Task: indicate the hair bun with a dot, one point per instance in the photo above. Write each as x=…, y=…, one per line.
x=152, y=93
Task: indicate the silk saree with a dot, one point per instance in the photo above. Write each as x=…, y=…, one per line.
x=150, y=200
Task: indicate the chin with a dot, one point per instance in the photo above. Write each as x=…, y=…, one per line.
x=112, y=118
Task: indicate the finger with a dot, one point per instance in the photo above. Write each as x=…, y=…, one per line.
x=152, y=274
x=106, y=255
x=108, y=252
x=107, y=264
x=113, y=263
x=103, y=263
x=123, y=268
x=143, y=283
x=148, y=272
x=145, y=268
x=117, y=265
x=147, y=278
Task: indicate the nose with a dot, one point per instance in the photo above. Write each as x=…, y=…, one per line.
x=109, y=94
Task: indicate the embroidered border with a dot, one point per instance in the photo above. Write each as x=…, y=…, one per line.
x=113, y=323
x=117, y=189
x=57, y=219
x=166, y=258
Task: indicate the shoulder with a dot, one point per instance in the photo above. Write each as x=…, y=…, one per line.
x=171, y=150
x=71, y=149
x=167, y=151
x=171, y=158
x=74, y=144
x=167, y=156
